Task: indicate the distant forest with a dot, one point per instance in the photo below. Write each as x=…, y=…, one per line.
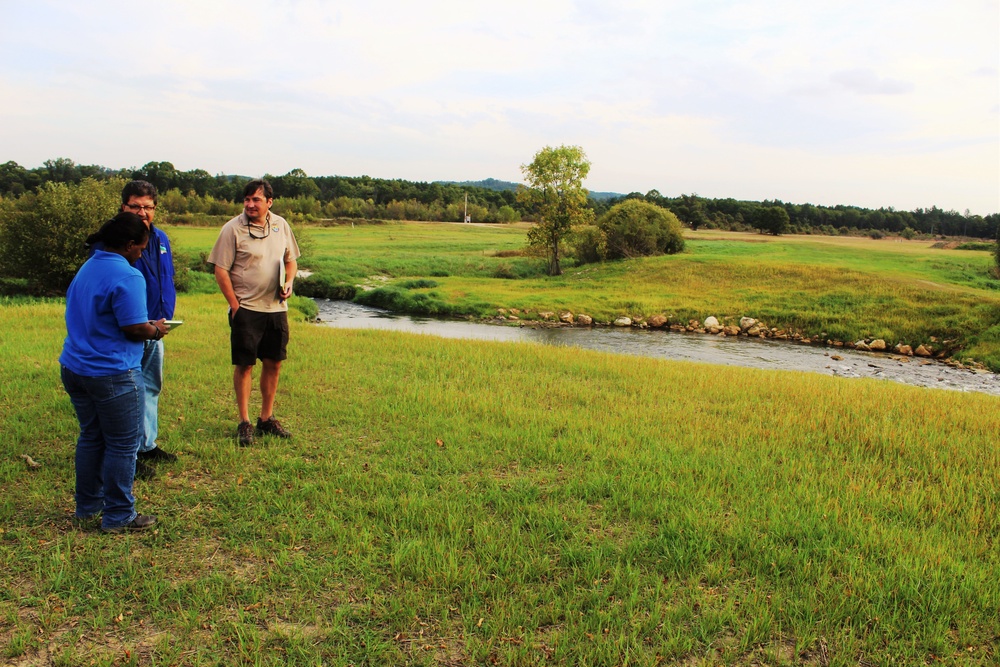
x=190, y=195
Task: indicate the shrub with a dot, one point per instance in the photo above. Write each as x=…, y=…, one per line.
x=505, y=271
x=589, y=245
x=976, y=245
x=404, y=301
x=420, y=283
x=635, y=228
x=308, y=307
x=506, y=213
x=42, y=235
x=320, y=287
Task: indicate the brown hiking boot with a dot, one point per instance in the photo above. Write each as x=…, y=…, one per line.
x=140, y=522
x=272, y=427
x=244, y=433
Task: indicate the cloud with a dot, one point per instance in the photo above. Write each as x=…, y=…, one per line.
x=699, y=96
x=866, y=82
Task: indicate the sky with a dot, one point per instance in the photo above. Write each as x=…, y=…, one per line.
x=873, y=103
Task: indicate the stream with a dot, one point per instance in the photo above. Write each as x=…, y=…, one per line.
x=662, y=344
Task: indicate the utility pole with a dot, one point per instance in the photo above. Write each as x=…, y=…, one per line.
x=465, y=215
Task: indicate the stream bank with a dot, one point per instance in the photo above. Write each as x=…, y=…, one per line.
x=751, y=352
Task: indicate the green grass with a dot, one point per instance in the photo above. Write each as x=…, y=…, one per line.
x=460, y=502
x=841, y=289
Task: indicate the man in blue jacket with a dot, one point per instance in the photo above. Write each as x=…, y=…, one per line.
x=157, y=265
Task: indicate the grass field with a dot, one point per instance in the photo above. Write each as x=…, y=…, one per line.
x=470, y=503
x=837, y=288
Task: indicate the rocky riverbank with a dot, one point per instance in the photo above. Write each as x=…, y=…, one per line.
x=748, y=327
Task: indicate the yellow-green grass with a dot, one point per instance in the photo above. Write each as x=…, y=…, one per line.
x=835, y=288
x=461, y=502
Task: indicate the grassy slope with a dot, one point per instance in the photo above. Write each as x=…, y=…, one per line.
x=459, y=502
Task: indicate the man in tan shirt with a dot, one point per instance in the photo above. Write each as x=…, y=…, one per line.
x=255, y=264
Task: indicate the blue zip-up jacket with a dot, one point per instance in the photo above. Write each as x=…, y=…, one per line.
x=157, y=266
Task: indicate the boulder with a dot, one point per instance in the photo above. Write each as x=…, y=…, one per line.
x=731, y=330
x=657, y=321
x=623, y=322
x=861, y=345
x=546, y=315
x=923, y=351
x=754, y=330
x=904, y=349
x=877, y=345
x=747, y=322
x=566, y=317
x=585, y=320
x=710, y=322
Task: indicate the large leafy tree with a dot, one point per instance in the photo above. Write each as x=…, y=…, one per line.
x=161, y=174
x=555, y=192
x=772, y=220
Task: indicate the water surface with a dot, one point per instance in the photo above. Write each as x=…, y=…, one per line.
x=661, y=344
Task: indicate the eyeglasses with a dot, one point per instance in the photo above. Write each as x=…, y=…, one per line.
x=139, y=208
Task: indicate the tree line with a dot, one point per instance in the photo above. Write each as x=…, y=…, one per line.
x=307, y=197
x=731, y=214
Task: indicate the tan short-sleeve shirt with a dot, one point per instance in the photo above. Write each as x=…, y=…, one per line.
x=255, y=264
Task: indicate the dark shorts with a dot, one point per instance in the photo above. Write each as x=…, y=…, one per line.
x=256, y=336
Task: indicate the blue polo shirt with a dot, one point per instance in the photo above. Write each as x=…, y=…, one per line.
x=157, y=267
x=106, y=295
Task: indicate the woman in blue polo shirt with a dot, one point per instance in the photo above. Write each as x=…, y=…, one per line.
x=106, y=325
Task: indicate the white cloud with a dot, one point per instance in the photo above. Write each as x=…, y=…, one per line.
x=750, y=99
x=866, y=82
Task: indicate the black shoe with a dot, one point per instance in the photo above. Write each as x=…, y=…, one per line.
x=244, y=432
x=140, y=522
x=272, y=427
x=157, y=455
x=143, y=471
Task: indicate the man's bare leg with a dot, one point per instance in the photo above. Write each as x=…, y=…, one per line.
x=243, y=384
x=270, y=371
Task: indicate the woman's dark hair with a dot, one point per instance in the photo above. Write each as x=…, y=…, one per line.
x=119, y=230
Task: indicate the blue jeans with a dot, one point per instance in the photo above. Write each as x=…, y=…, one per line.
x=152, y=375
x=110, y=412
